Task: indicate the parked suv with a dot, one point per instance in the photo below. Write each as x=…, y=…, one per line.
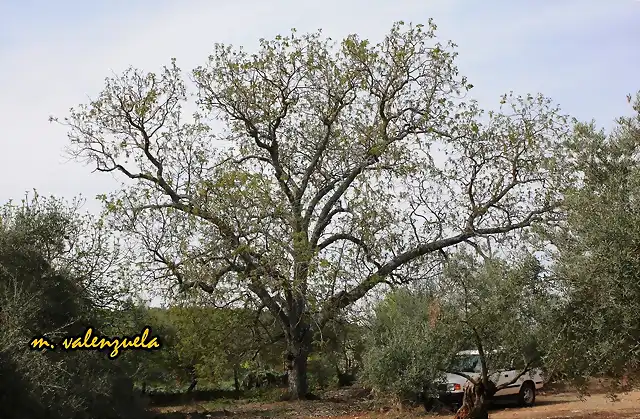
x=468, y=362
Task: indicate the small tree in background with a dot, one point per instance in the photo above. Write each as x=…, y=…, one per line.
x=149, y=370
x=342, y=343
x=409, y=345
x=214, y=342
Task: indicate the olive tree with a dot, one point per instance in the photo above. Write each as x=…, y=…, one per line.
x=500, y=311
x=42, y=294
x=409, y=345
x=597, y=261
x=314, y=171
x=490, y=306
x=73, y=242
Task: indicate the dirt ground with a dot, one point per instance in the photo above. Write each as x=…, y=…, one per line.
x=570, y=406
x=552, y=406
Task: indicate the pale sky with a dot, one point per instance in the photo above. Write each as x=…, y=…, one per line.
x=584, y=54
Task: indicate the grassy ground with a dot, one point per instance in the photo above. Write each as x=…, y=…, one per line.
x=346, y=404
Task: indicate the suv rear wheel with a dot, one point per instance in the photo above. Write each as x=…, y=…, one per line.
x=527, y=395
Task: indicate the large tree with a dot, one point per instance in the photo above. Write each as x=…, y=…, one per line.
x=315, y=171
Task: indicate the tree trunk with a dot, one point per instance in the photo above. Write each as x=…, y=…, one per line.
x=298, y=337
x=193, y=385
x=236, y=380
x=475, y=403
x=297, y=371
x=194, y=378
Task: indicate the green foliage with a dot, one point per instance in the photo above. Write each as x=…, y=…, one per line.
x=41, y=295
x=206, y=345
x=221, y=344
x=322, y=372
x=598, y=262
x=150, y=370
x=499, y=305
x=209, y=340
x=410, y=344
x=72, y=242
x=341, y=346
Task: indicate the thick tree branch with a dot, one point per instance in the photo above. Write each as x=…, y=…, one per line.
x=210, y=286
x=525, y=370
x=326, y=213
x=328, y=120
x=258, y=289
x=351, y=238
x=463, y=375
x=345, y=298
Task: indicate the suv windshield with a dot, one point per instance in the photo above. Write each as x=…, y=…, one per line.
x=467, y=363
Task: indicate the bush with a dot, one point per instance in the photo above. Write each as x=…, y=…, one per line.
x=36, y=298
x=322, y=372
x=405, y=348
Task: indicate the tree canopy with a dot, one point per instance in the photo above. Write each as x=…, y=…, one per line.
x=313, y=171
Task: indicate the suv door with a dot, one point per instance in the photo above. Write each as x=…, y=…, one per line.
x=507, y=376
x=504, y=376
